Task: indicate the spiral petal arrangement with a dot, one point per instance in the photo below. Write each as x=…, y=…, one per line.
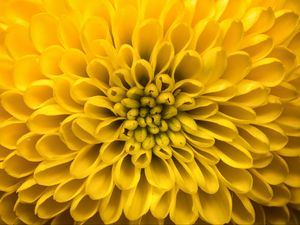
x=149, y=111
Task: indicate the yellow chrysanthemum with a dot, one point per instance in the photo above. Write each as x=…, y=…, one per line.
x=149, y=111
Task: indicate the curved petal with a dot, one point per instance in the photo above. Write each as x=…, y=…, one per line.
x=261, y=191
x=218, y=127
x=13, y=102
x=257, y=46
x=162, y=57
x=7, y=208
x=180, y=36
x=159, y=174
x=277, y=214
x=286, y=56
x=51, y=147
x=68, y=190
x=276, y=172
x=219, y=91
x=46, y=207
x=112, y=152
x=138, y=200
x=43, y=31
x=25, y=212
x=61, y=92
x=84, y=89
x=29, y=191
x=109, y=130
x=284, y=20
x=127, y=55
x=111, y=206
x=238, y=180
x=161, y=203
x=49, y=173
x=125, y=174
x=291, y=148
x=17, y=166
x=68, y=32
x=268, y=112
x=183, y=154
x=145, y=36
x=100, y=183
x=242, y=210
x=191, y=87
x=281, y=195
x=183, y=176
x=83, y=207
x=100, y=70
x=272, y=69
x=50, y=60
x=234, y=154
x=46, y=119
x=183, y=210
x=142, y=73
x=84, y=129
x=187, y=65
x=203, y=108
x=74, y=62
x=219, y=203
x=85, y=161
x=27, y=70
x=99, y=107
x=10, y=132
x=294, y=174
x=142, y=159
x=38, y=94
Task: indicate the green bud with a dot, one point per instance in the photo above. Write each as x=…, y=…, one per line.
x=140, y=134
x=165, y=98
x=149, y=142
x=174, y=124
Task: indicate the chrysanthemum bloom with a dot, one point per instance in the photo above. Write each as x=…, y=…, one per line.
x=149, y=111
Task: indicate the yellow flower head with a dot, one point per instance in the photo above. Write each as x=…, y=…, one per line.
x=149, y=111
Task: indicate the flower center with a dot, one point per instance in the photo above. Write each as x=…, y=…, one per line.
x=150, y=113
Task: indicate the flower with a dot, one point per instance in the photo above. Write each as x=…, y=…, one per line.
x=150, y=111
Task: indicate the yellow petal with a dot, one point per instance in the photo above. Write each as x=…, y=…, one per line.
x=67, y=190
x=206, y=33
x=39, y=93
x=100, y=183
x=10, y=132
x=257, y=46
x=138, y=200
x=83, y=207
x=187, y=64
x=111, y=207
x=180, y=36
x=272, y=69
x=231, y=34
x=218, y=127
x=183, y=154
x=285, y=55
x=277, y=215
x=6, y=71
x=251, y=93
x=261, y=191
x=146, y=36
x=51, y=147
x=9, y=183
x=255, y=138
x=238, y=66
x=100, y=70
x=269, y=112
x=236, y=9
x=99, y=107
x=290, y=116
x=46, y=207
x=202, y=109
x=109, y=130
x=68, y=32
x=183, y=176
x=162, y=57
x=220, y=91
x=258, y=20
x=242, y=210
x=68, y=135
x=293, y=175
x=124, y=23
x=171, y=14
x=205, y=176
x=281, y=195
x=30, y=191
x=13, y=102
x=219, y=203
x=159, y=174
x=142, y=73
x=286, y=20
x=47, y=118
x=237, y=113
x=183, y=210
x=275, y=134
x=261, y=160
x=25, y=213
x=161, y=203
x=74, y=62
x=291, y=148
x=191, y=87
x=238, y=180
x=85, y=161
x=7, y=208
x=18, y=42
x=52, y=172
x=50, y=59
x=17, y=166
x=43, y=31
x=84, y=129
x=142, y=159
x=125, y=174
x=111, y=152
x=234, y=154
